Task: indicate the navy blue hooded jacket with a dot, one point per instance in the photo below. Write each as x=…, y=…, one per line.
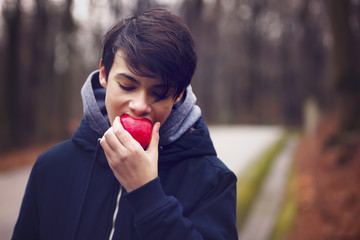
x=73, y=194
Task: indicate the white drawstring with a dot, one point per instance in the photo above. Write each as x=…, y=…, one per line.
x=115, y=214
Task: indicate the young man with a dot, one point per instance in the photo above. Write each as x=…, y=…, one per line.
x=102, y=184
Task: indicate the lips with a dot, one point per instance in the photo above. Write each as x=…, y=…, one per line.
x=139, y=128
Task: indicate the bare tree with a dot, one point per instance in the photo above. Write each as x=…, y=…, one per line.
x=346, y=59
x=35, y=93
x=11, y=102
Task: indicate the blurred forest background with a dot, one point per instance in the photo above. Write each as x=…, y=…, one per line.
x=260, y=61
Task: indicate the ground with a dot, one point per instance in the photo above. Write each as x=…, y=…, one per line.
x=327, y=180
x=16, y=158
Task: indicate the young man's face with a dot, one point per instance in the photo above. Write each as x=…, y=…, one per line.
x=127, y=93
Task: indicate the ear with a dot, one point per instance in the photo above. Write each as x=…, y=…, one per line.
x=102, y=75
x=179, y=98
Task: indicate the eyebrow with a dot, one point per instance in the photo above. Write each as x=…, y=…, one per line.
x=129, y=78
x=132, y=79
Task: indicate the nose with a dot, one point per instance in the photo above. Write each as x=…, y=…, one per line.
x=140, y=105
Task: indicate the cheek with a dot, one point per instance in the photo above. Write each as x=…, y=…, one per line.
x=114, y=106
x=163, y=112
x=109, y=107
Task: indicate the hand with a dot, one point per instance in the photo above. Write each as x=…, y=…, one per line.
x=131, y=165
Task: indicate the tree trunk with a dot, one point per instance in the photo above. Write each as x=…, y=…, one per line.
x=346, y=75
x=10, y=133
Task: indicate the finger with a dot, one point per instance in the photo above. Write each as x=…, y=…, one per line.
x=105, y=146
x=112, y=141
x=122, y=135
x=107, y=149
x=154, y=142
x=104, y=143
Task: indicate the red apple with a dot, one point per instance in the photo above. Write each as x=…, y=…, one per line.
x=139, y=128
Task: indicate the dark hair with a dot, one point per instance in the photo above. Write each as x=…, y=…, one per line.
x=158, y=41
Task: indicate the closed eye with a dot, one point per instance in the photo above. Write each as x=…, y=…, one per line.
x=125, y=88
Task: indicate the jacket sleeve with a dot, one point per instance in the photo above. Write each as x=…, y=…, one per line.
x=27, y=225
x=158, y=216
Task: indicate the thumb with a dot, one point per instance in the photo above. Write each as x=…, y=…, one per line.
x=154, y=142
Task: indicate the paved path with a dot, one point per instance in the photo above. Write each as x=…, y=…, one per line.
x=237, y=146
x=12, y=187
x=261, y=220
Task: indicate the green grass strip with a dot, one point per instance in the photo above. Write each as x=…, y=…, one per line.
x=250, y=181
x=288, y=211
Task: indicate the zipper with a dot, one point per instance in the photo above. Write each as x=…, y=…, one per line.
x=115, y=214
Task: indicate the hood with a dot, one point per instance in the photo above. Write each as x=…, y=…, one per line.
x=93, y=97
x=183, y=115
x=196, y=143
